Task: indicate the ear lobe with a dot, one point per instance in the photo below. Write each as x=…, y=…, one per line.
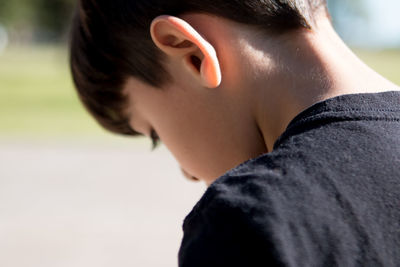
x=177, y=38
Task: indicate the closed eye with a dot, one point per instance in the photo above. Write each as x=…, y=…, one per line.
x=155, y=139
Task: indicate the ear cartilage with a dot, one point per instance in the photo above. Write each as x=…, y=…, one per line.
x=212, y=73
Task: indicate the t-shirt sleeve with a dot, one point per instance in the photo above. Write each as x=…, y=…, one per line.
x=222, y=233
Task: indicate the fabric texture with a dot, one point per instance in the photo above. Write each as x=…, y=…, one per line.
x=327, y=195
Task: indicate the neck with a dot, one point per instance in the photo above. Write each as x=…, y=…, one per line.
x=315, y=66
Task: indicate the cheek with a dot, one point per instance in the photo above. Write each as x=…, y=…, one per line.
x=198, y=143
x=189, y=147
x=176, y=123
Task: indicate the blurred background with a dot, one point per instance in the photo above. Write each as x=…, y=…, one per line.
x=72, y=194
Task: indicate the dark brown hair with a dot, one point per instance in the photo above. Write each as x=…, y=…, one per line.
x=110, y=41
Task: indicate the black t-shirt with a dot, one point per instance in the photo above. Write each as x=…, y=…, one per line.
x=327, y=195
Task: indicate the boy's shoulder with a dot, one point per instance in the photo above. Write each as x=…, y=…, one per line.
x=256, y=190
x=259, y=215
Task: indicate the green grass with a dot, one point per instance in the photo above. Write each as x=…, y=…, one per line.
x=385, y=62
x=37, y=97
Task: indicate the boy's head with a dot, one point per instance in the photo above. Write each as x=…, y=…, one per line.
x=117, y=45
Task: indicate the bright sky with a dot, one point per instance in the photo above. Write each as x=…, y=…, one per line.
x=385, y=21
x=382, y=29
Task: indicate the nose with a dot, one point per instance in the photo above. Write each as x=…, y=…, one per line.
x=189, y=177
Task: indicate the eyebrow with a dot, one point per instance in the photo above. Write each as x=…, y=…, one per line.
x=133, y=131
x=136, y=134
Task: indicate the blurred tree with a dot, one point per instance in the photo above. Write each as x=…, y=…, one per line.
x=16, y=11
x=47, y=19
x=53, y=15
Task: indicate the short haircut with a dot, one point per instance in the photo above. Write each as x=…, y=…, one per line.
x=110, y=42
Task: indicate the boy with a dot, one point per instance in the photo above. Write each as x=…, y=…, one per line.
x=270, y=86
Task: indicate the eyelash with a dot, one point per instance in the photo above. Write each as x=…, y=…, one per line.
x=155, y=139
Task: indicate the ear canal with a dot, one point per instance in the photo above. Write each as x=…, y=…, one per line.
x=196, y=62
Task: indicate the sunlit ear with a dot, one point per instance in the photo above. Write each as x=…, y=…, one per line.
x=177, y=38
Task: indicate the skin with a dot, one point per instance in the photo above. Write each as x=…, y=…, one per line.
x=248, y=87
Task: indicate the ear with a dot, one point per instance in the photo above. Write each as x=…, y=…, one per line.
x=178, y=39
